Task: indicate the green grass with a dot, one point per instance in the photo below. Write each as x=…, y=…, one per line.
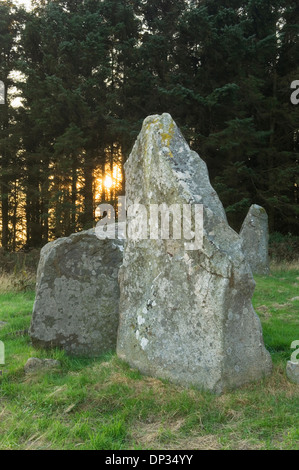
x=102, y=404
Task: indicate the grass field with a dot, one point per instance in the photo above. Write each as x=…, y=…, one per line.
x=102, y=404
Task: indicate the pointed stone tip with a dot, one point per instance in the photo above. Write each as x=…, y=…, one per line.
x=164, y=119
x=257, y=211
x=165, y=126
x=150, y=119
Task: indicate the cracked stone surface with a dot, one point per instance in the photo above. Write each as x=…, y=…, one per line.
x=186, y=316
x=76, y=306
x=255, y=240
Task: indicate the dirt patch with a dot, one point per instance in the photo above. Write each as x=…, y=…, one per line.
x=237, y=443
x=264, y=312
x=278, y=383
x=281, y=306
x=37, y=442
x=208, y=442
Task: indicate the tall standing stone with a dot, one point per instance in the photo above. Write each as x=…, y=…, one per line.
x=76, y=306
x=186, y=316
x=255, y=240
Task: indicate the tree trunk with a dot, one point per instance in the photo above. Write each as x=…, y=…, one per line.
x=4, y=213
x=74, y=195
x=5, y=178
x=88, y=216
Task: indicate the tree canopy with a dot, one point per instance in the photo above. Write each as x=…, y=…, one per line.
x=86, y=73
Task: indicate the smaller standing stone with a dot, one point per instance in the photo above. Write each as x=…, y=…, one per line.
x=255, y=240
x=293, y=371
x=77, y=295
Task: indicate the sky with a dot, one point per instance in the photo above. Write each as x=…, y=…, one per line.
x=26, y=3
x=14, y=75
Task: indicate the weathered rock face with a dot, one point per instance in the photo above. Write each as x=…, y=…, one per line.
x=34, y=364
x=186, y=316
x=76, y=306
x=255, y=240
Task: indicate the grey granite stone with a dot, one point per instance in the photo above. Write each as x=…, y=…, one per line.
x=186, y=316
x=76, y=306
x=255, y=240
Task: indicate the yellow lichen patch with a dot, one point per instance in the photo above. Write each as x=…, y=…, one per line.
x=167, y=137
x=166, y=134
x=150, y=123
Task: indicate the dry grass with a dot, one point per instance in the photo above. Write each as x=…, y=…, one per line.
x=17, y=282
x=38, y=442
x=207, y=442
x=284, y=266
x=6, y=283
x=152, y=436
x=264, y=312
